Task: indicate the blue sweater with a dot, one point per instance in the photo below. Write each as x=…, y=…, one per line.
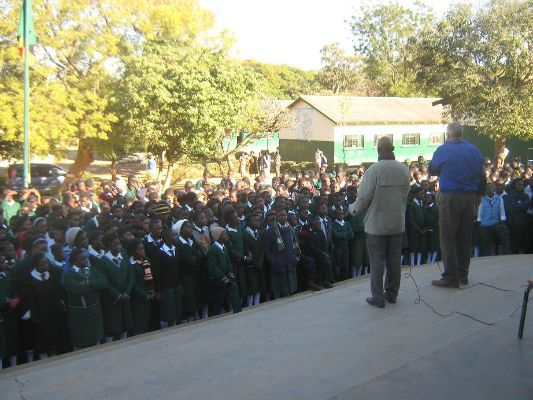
x=459, y=165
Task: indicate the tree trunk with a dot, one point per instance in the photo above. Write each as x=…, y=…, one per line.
x=84, y=158
x=160, y=165
x=229, y=162
x=113, y=168
x=168, y=179
x=499, y=148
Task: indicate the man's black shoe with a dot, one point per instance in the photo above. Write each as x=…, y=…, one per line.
x=314, y=287
x=373, y=302
x=446, y=283
x=391, y=298
x=463, y=280
x=327, y=285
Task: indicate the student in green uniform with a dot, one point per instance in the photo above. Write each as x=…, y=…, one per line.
x=357, y=246
x=116, y=305
x=83, y=284
x=167, y=281
x=8, y=318
x=342, y=234
x=417, y=229
x=236, y=249
x=142, y=294
x=193, y=262
x=221, y=275
x=431, y=212
x=253, y=248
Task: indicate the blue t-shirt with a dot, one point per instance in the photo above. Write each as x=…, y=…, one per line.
x=459, y=165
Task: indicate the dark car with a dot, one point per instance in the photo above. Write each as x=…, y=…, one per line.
x=45, y=178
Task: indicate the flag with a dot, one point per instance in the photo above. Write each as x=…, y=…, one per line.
x=32, y=39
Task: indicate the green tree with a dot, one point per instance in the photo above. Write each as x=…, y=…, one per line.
x=187, y=102
x=285, y=82
x=80, y=57
x=342, y=73
x=481, y=64
x=383, y=36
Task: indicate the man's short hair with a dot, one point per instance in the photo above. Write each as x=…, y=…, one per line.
x=455, y=130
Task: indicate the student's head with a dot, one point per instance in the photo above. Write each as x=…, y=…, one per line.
x=74, y=219
x=78, y=258
x=96, y=240
x=199, y=219
x=40, y=262
x=239, y=209
x=231, y=217
x=491, y=189
x=135, y=249
x=303, y=214
x=281, y=216
x=39, y=246
x=112, y=243
x=125, y=235
x=292, y=219
x=314, y=223
x=169, y=237
x=419, y=194
x=219, y=235
x=81, y=240
x=518, y=185
x=57, y=252
x=40, y=226
x=322, y=209
x=156, y=228
x=424, y=185
x=429, y=199
x=454, y=131
x=186, y=230
x=339, y=214
x=7, y=249
x=252, y=220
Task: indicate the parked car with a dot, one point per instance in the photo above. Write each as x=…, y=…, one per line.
x=45, y=178
x=133, y=158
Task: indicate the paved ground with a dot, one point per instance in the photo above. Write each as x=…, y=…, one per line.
x=329, y=345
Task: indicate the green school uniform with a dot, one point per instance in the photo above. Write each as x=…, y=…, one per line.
x=432, y=222
x=357, y=245
x=219, y=268
x=235, y=248
x=117, y=313
x=84, y=311
x=8, y=319
x=416, y=220
x=143, y=289
x=342, y=234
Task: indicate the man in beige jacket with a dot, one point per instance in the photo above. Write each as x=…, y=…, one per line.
x=383, y=193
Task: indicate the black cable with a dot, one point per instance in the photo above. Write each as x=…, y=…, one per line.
x=420, y=299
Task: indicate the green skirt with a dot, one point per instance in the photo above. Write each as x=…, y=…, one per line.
x=85, y=326
x=283, y=283
x=358, y=251
x=142, y=315
x=170, y=308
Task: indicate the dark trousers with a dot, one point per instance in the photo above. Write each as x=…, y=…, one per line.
x=456, y=220
x=494, y=234
x=229, y=292
x=384, y=252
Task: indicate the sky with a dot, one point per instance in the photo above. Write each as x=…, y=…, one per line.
x=291, y=32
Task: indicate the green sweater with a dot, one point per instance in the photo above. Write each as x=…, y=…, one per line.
x=416, y=217
x=341, y=235
x=236, y=244
x=120, y=279
x=219, y=264
x=83, y=296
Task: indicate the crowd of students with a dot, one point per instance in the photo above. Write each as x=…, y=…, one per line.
x=99, y=264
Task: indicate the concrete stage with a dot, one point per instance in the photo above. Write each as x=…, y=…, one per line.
x=325, y=345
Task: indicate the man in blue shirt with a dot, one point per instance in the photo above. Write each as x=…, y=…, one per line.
x=460, y=167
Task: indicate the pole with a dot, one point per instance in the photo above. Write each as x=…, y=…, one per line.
x=27, y=14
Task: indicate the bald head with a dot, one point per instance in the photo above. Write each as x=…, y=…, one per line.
x=385, y=145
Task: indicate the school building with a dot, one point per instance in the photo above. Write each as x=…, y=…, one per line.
x=347, y=128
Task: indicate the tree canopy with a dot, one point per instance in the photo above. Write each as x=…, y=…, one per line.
x=481, y=63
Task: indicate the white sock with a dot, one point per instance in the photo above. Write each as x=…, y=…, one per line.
x=401, y=259
x=359, y=270
x=30, y=355
x=249, y=300
x=412, y=257
x=108, y=339
x=418, y=258
x=13, y=361
x=354, y=271
x=43, y=356
x=434, y=256
x=205, y=313
x=257, y=298
x=124, y=335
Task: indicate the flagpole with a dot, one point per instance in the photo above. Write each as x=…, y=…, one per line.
x=27, y=14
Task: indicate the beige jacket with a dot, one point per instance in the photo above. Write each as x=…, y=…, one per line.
x=383, y=193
